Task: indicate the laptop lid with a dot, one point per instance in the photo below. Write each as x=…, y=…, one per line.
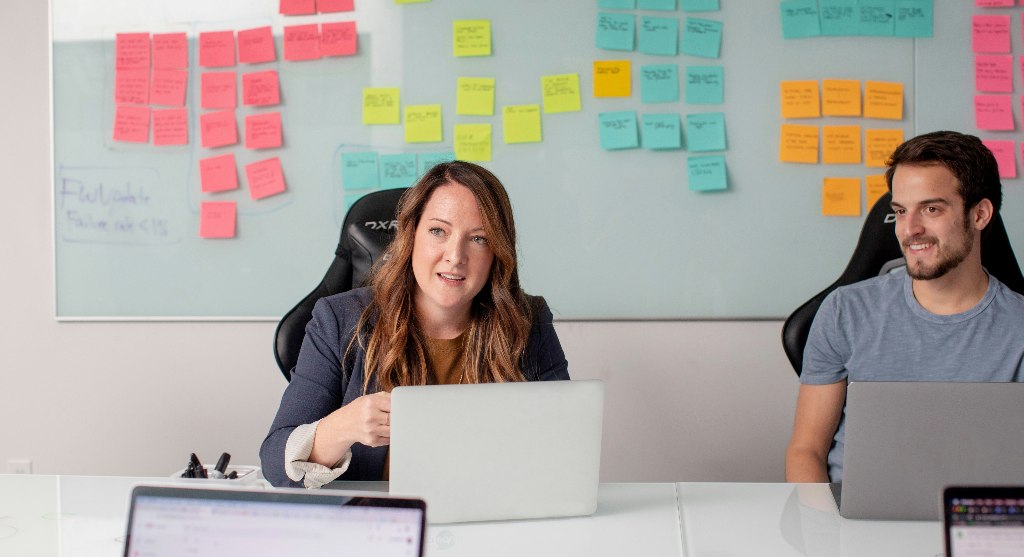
x=498, y=451
x=983, y=521
x=906, y=441
x=196, y=521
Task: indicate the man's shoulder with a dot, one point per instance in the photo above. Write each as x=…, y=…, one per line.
x=868, y=293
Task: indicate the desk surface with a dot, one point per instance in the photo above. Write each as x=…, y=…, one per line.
x=77, y=516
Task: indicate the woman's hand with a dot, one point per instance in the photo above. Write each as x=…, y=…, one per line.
x=365, y=420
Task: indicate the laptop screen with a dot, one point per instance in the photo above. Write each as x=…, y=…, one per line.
x=984, y=521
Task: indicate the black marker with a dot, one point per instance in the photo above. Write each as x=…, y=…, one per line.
x=222, y=465
x=200, y=470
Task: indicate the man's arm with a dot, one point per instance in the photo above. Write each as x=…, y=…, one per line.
x=818, y=409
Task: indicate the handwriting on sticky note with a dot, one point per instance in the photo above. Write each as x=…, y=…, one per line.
x=798, y=144
x=876, y=187
x=990, y=33
x=706, y=85
x=838, y=17
x=359, y=171
x=170, y=51
x=131, y=51
x=398, y=171
x=840, y=144
x=705, y=132
x=879, y=145
x=218, y=173
x=473, y=142
x=876, y=18
x=302, y=42
x=131, y=86
x=659, y=35
x=993, y=112
x=338, y=39
x=265, y=178
x=618, y=130
x=297, y=7
x=217, y=49
x=914, y=18
x=993, y=73
x=217, y=219
x=561, y=93
x=168, y=87
x=840, y=197
x=615, y=31
x=800, y=99
x=659, y=83
x=612, y=78
x=381, y=105
x=474, y=96
x=1005, y=156
x=840, y=97
x=218, y=129
x=707, y=173
x=702, y=37
x=521, y=123
x=333, y=6
x=471, y=37
x=218, y=90
x=423, y=123
x=800, y=19
x=883, y=100
x=429, y=160
x=131, y=124
x=170, y=127
x=263, y=130
x=661, y=131
x=256, y=46
x=261, y=89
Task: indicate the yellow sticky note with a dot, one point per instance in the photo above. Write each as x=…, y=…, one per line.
x=840, y=144
x=474, y=96
x=471, y=37
x=800, y=99
x=612, y=78
x=798, y=144
x=423, y=123
x=876, y=187
x=561, y=92
x=840, y=97
x=840, y=197
x=381, y=105
x=473, y=142
x=883, y=99
x=879, y=145
x=521, y=123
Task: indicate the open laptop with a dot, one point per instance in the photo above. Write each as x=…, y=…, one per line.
x=905, y=442
x=983, y=521
x=498, y=451
x=196, y=521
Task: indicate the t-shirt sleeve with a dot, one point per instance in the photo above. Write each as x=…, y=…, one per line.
x=826, y=351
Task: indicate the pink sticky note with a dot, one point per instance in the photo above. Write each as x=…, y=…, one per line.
x=994, y=3
x=217, y=219
x=990, y=33
x=131, y=86
x=168, y=87
x=217, y=49
x=1005, y=157
x=218, y=173
x=132, y=51
x=993, y=73
x=170, y=51
x=338, y=39
x=302, y=42
x=218, y=128
x=256, y=46
x=993, y=112
x=170, y=126
x=265, y=178
x=260, y=89
x=263, y=131
x=331, y=6
x=218, y=90
x=298, y=7
x=131, y=124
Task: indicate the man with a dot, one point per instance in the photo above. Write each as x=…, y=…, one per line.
x=944, y=319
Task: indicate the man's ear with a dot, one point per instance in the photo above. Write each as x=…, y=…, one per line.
x=982, y=214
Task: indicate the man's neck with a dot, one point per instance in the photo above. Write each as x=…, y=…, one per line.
x=955, y=292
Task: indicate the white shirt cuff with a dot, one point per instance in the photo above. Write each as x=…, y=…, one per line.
x=296, y=452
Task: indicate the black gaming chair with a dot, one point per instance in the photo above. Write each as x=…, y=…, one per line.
x=876, y=253
x=368, y=229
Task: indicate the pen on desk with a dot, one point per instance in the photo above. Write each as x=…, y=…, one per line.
x=200, y=470
x=222, y=465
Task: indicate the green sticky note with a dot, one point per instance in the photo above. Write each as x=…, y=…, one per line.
x=659, y=35
x=665, y=5
x=707, y=173
x=359, y=171
x=661, y=131
x=699, y=5
x=659, y=83
x=618, y=130
x=430, y=160
x=705, y=85
x=397, y=171
x=616, y=4
x=839, y=18
x=876, y=18
x=702, y=37
x=914, y=18
x=800, y=19
x=474, y=96
x=705, y=132
x=615, y=31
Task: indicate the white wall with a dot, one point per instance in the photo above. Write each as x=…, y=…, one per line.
x=686, y=400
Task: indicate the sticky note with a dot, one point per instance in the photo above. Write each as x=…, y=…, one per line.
x=170, y=126
x=990, y=33
x=659, y=35
x=702, y=37
x=471, y=37
x=615, y=31
x=914, y=18
x=256, y=46
x=883, y=100
x=423, y=123
x=705, y=132
x=334, y=6
x=876, y=187
x=560, y=93
x=297, y=7
x=840, y=197
x=800, y=19
x=661, y=131
x=474, y=96
x=359, y=171
x=995, y=3
x=168, y=87
x=521, y=123
x=839, y=18
x=218, y=90
x=430, y=160
x=218, y=129
x=217, y=219
x=265, y=178
x=218, y=173
x=840, y=144
x=131, y=51
x=131, y=124
x=993, y=112
x=473, y=142
x=876, y=17
x=261, y=88
x=798, y=143
x=398, y=171
x=338, y=39
x=800, y=99
x=707, y=173
x=879, y=145
x=618, y=130
x=217, y=49
x=1005, y=156
x=411, y=1
x=666, y=5
x=840, y=97
x=993, y=73
x=302, y=42
x=131, y=86
x=706, y=85
x=381, y=105
x=170, y=51
x=699, y=5
x=263, y=130
x=616, y=4
x=659, y=83
x=612, y=78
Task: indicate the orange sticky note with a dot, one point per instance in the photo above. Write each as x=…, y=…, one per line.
x=840, y=197
x=263, y=131
x=993, y=112
x=302, y=42
x=338, y=39
x=265, y=178
x=297, y=7
x=256, y=46
x=170, y=126
x=168, y=87
x=332, y=6
x=879, y=145
x=218, y=90
x=217, y=219
x=800, y=99
x=840, y=144
x=261, y=89
x=612, y=78
x=170, y=51
x=218, y=173
x=217, y=49
x=840, y=97
x=131, y=124
x=131, y=51
x=883, y=99
x=218, y=129
x=798, y=143
x=876, y=188
x=131, y=86
x=1006, y=158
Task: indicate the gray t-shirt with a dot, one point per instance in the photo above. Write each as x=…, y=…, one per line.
x=875, y=330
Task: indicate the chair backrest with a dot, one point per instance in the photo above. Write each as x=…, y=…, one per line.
x=368, y=229
x=876, y=249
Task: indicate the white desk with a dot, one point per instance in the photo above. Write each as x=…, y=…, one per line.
x=77, y=516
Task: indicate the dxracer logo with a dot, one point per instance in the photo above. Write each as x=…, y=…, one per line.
x=381, y=224
x=889, y=218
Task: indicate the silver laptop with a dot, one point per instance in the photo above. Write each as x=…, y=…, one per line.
x=498, y=451
x=905, y=442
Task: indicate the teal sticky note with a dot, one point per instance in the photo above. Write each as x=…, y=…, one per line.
x=702, y=37
x=659, y=83
x=659, y=35
x=705, y=132
x=699, y=5
x=616, y=4
x=398, y=171
x=359, y=171
x=430, y=160
x=914, y=18
x=661, y=131
x=800, y=19
x=349, y=199
x=707, y=173
x=839, y=18
x=618, y=130
x=876, y=18
x=615, y=31
x=665, y=5
x=705, y=85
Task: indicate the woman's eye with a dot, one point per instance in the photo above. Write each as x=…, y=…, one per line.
x=435, y=231
x=479, y=240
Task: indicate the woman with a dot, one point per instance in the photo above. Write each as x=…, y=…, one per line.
x=444, y=305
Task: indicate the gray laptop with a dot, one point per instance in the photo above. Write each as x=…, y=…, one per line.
x=498, y=451
x=905, y=442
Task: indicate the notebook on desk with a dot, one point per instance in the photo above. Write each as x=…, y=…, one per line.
x=498, y=451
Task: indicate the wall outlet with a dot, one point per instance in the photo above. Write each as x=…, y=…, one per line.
x=19, y=466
